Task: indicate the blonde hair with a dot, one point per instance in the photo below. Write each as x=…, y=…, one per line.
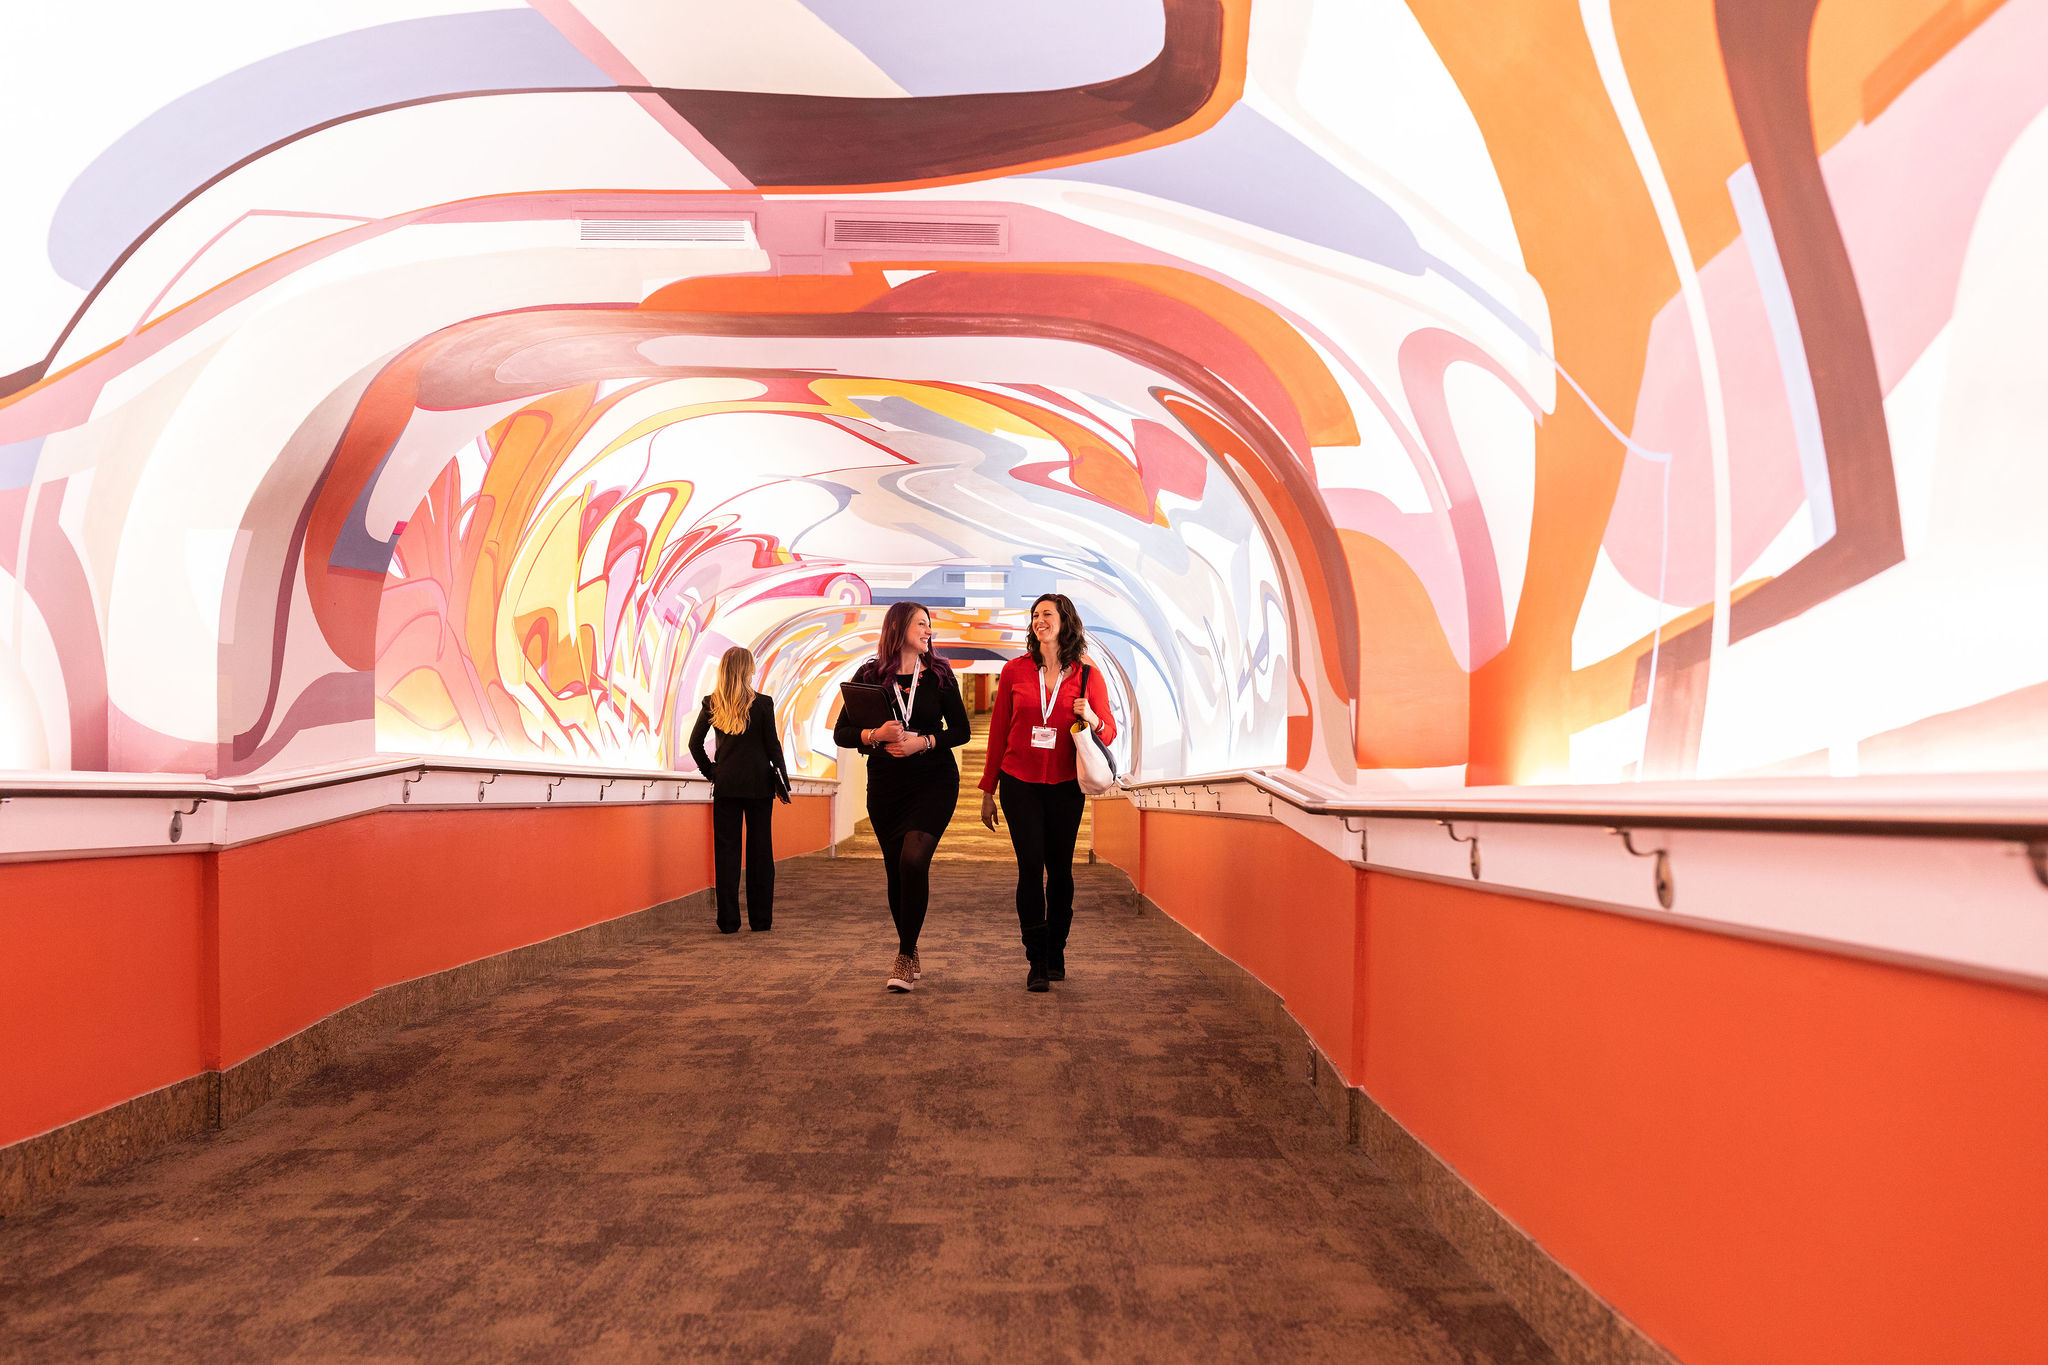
x=735, y=691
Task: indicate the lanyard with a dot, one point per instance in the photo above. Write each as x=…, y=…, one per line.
x=1045, y=698
x=905, y=707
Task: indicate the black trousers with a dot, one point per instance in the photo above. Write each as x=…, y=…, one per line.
x=727, y=813
x=1044, y=820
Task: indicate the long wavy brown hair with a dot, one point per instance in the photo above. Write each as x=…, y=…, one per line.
x=1072, y=639
x=889, y=649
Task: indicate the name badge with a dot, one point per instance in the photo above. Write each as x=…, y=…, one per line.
x=1044, y=736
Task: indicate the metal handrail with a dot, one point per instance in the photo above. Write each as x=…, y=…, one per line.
x=2021, y=818
x=212, y=789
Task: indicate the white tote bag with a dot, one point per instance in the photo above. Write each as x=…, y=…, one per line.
x=1093, y=766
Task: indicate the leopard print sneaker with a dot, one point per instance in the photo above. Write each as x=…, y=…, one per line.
x=902, y=974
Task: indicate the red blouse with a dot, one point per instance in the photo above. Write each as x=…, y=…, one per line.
x=1018, y=710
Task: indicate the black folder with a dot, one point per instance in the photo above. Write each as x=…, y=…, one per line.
x=867, y=703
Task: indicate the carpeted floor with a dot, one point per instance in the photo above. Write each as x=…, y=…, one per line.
x=742, y=1148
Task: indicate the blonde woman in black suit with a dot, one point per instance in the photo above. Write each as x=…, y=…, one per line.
x=746, y=778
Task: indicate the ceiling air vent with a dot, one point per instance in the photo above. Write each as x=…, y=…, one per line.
x=860, y=231
x=665, y=231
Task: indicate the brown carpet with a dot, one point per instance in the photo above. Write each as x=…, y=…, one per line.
x=742, y=1148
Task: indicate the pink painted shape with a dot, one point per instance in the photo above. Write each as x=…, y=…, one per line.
x=1906, y=190
x=1168, y=464
x=133, y=747
x=13, y=507
x=193, y=259
x=1906, y=187
x=56, y=581
x=1041, y=475
x=1671, y=415
x=588, y=39
x=1424, y=543
x=1426, y=354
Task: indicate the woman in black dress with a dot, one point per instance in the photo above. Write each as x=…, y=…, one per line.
x=746, y=777
x=913, y=782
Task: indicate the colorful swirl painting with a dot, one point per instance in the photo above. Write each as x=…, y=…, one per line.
x=1409, y=396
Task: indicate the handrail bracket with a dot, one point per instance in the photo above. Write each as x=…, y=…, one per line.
x=1667, y=889
x=1472, y=839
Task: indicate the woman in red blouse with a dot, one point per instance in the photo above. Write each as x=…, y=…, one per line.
x=1031, y=764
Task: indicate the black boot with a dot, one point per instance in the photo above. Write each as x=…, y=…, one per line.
x=1036, y=980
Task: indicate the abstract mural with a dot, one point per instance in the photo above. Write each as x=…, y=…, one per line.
x=1410, y=397
x=563, y=585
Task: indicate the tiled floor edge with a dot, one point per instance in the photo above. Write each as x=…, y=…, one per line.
x=1576, y=1322
x=1579, y=1325
x=1301, y=1058
x=35, y=1168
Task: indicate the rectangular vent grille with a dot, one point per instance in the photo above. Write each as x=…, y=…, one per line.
x=946, y=234
x=665, y=231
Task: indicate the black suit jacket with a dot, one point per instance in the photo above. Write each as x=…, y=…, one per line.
x=749, y=764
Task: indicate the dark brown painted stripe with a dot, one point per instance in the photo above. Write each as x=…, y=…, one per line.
x=1764, y=45
x=821, y=140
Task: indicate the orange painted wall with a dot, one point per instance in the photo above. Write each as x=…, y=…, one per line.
x=313, y=921
x=119, y=976
x=1271, y=902
x=101, y=996
x=1759, y=1154
x=1116, y=828
x=803, y=826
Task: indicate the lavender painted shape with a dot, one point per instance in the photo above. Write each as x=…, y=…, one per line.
x=1250, y=169
x=18, y=462
x=181, y=146
x=978, y=47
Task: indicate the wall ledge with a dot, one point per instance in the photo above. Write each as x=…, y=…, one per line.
x=1576, y=1322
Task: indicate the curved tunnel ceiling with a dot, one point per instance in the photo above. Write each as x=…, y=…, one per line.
x=1408, y=399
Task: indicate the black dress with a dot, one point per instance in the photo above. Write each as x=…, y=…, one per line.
x=918, y=792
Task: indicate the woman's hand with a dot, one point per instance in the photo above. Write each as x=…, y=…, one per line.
x=907, y=745
x=989, y=815
x=1086, y=713
x=888, y=732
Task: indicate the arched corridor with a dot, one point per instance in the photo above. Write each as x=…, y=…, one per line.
x=693, y=1146
x=1544, y=504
